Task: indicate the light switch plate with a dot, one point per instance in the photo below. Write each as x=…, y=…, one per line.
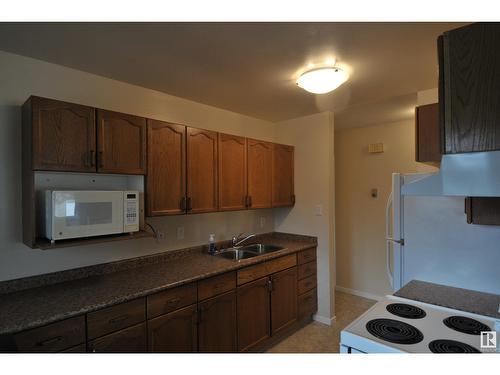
x=319, y=210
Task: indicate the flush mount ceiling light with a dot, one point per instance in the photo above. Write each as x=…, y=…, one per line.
x=322, y=80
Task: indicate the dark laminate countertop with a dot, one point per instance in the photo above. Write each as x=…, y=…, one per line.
x=38, y=306
x=456, y=298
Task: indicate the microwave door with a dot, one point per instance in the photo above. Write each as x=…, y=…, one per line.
x=86, y=213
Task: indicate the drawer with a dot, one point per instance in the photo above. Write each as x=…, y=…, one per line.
x=171, y=299
x=53, y=337
x=306, y=284
x=216, y=285
x=110, y=319
x=129, y=340
x=307, y=304
x=306, y=270
x=263, y=269
x=306, y=256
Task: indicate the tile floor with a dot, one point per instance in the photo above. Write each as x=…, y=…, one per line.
x=320, y=338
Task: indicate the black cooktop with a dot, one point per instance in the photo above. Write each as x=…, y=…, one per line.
x=404, y=310
x=394, y=331
x=451, y=346
x=465, y=325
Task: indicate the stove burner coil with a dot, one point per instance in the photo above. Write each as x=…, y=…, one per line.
x=394, y=331
x=465, y=325
x=451, y=346
x=404, y=310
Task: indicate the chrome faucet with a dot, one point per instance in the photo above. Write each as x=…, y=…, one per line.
x=237, y=240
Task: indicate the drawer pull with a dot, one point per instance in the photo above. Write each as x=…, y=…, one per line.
x=118, y=319
x=173, y=301
x=49, y=341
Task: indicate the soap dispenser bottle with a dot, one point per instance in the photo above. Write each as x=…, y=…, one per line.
x=211, y=244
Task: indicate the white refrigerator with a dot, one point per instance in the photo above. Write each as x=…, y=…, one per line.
x=428, y=239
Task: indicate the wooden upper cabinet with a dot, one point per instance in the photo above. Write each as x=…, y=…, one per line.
x=427, y=134
x=166, y=177
x=469, y=73
x=283, y=179
x=232, y=172
x=201, y=163
x=260, y=173
x=121, y=143
x=63, y=135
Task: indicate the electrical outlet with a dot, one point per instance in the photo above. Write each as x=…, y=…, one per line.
x=262, y=221
x=160, y=235
x=180, y=233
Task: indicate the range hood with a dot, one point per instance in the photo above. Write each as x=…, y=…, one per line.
x=475, y=174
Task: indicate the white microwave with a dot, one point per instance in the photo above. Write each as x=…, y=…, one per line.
x=75, y=214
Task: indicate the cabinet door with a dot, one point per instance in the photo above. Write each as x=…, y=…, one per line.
x=121, y=140
x=128, y=340
x=283, y=299
x=253, y=313
x=260, y=173
x=166, y=179
x=175, y=332
x=427, y=134
x=232, y=172
x=63, y=136
x=201, y=170
x=469, y=68
x=283, y=193
x=217, y=324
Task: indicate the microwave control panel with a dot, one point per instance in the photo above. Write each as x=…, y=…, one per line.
x=131, y=211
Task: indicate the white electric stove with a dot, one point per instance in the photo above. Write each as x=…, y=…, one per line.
x=399, y=325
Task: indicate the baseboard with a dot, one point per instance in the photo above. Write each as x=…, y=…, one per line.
x=359, y=293
x=323, y=319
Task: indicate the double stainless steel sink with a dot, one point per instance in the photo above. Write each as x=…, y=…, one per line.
x=248, y=251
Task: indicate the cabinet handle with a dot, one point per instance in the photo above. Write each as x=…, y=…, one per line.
x=219, y=285
x=49, y=341
x=189, y=207
x=249, y=201
x=118, y=319
x=92, y=158
x=183, y=204
x=270, y=285
x=173, y=301
x=101, y=163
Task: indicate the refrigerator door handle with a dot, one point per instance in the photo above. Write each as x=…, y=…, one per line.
x=388, y=240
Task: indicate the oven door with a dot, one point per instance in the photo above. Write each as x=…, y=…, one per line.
x=86, y=213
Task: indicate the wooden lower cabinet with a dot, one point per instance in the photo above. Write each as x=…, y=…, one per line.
x=253, y=313
x=129, y=340
x=175, y=332
x=283, y=299
x=217, y=324
x=82, y=348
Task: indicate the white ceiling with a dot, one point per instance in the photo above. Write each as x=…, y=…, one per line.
x=249, y=68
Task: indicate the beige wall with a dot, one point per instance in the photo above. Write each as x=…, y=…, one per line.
x=360, y=219
x=21, y=77
x=313, y=138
